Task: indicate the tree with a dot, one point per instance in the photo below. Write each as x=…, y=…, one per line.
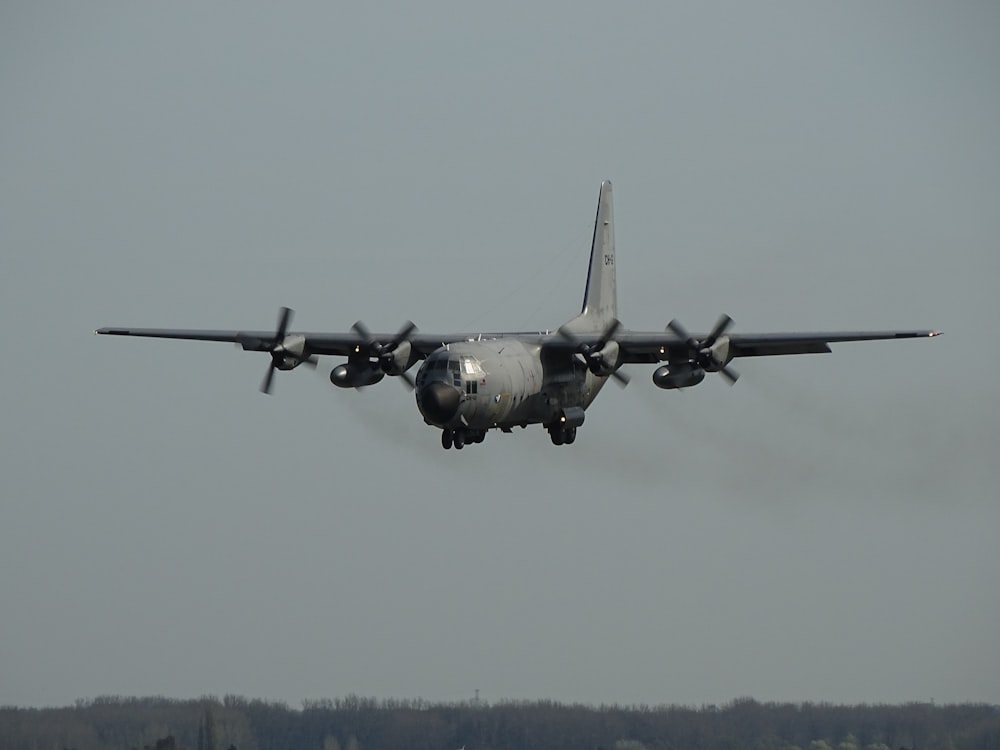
x=206, y=732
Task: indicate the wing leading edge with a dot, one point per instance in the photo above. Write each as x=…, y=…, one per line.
x=636, y=346
x=341, y=344
x=653, y=346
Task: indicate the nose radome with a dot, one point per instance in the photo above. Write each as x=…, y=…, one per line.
x=439, y=402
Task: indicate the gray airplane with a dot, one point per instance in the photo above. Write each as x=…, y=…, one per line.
x=469, y=384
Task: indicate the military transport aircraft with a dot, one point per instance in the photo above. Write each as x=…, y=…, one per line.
x=470, y=383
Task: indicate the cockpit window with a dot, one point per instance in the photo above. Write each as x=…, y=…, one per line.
x=471, y=367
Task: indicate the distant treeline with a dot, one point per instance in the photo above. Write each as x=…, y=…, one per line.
x=355, y=723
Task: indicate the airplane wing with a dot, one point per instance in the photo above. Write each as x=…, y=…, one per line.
x=690, y=356
x=394, y=353
x=343, y=344
x=605, y=351
x=636, y=346
x=657, y=347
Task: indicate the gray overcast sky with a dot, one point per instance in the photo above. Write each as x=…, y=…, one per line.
x=826, y=530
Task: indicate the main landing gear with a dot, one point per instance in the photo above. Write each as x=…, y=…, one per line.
x=562, y=435
x=458, y=439
x=461, y=438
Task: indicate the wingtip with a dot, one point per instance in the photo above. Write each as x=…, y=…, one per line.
x=935, y=333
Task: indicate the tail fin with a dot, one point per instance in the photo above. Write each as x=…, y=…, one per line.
x=600, y=300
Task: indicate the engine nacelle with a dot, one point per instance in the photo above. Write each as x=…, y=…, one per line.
x=678, y=376
x=399, y=360
x=605, y=361
x=356, y=374
x=289, y=353
x=716, y=356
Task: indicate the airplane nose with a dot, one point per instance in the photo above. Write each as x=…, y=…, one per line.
x=439, y=402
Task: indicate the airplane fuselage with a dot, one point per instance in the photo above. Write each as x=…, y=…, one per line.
x=502, y=383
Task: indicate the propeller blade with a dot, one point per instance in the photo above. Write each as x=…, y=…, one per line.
x=570, y=337
x=284, y=318
x=404, y=333
x=721, y=326
x=408, y=380
x=362, y=330
x=592, y=351
x=265, y=386
x=383, y=352
x=610, y=331
x=606, y=335
x=701, y=351
x=675, y=327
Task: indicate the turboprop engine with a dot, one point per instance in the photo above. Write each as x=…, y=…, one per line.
x=603, y=357
x=682, y=375
x=392, y=357
x=399, y=359
x=287, y=351
x=710, y=354
x=605, y=360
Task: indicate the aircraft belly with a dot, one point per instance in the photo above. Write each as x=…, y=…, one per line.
x=530, y=410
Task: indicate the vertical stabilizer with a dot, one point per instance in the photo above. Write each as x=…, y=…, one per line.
x=600, y=300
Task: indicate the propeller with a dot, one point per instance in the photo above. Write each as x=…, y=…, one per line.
x=280, y=355
x=591, y=353
x=383, y=352
x=702, y=352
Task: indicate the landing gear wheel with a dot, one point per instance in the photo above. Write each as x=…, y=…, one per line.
x=558, y=434
x=570, y=436
x=446, y=438
x=459, y=440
